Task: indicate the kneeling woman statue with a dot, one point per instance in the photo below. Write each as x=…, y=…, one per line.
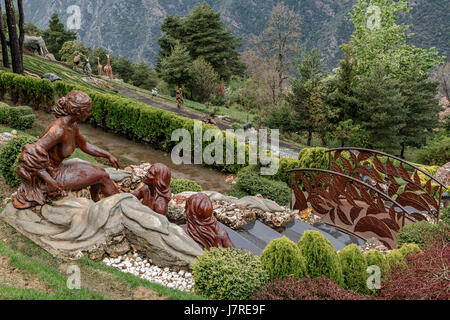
x=202, y=226
x=44, y=172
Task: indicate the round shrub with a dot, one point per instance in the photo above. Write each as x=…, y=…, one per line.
x=395, y=258
x=283, y=259
x=22, y=118
x=228, y=274
x=409, y=248
x=183, y=185
x=249, y=181
x=445, y=216
x=320, y=288
x=314, y=158
x=375, y=258
x=321, y=257
x=437, y=153
x=354, y=268
x=9, y=155
x=237, y=191
x=419, y=233
x=5, y=117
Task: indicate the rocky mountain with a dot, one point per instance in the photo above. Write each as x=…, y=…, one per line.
x=131, y=27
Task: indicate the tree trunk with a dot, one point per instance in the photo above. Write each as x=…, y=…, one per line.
x=3, y=41
x=16, y=55
x=21, y=26
x=402, y=154
x=309, y=138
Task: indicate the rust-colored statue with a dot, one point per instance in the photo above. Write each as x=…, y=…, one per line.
x=180, y=100
x=156, y=194
x=44, y=172
x=202, y=225
x=108, y=69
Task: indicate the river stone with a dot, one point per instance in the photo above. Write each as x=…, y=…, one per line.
x=72, y=228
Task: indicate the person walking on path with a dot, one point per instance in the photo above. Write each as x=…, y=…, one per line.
x=180, y=100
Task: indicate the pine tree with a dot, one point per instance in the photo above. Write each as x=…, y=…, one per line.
x=16, y=53
x=55, y=36
x=203, y=80
x=144, y=76
x=175, y=68
x=5, y=57
x=172, y=27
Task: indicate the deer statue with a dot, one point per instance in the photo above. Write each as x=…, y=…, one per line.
x=108, y=68
x=99, y=67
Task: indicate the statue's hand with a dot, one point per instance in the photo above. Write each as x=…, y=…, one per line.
x=114, y=162
x=55, y=190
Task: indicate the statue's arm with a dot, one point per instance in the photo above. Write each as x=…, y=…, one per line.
x=138, y=194
x=94, y=150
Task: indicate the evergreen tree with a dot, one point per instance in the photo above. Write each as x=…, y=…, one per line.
x=55, y=36
x=122, y=66
x=5, y=57
x=16, y=52
x=172, y=27
x=175, y=69
x=70, y=50
x=144, y=76
x=203, y=80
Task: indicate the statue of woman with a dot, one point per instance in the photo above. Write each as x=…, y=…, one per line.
x=156, y=194
x=44, y=172
x=202, y=225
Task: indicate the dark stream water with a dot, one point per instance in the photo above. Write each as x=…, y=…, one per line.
x=138, y=153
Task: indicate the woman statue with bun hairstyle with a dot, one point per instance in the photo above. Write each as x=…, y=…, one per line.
x=202, y=226
x=44, y=172
x=156, y=193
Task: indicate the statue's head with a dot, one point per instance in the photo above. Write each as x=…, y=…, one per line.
x=159, y=176
x=199, y=207
x=75, y=103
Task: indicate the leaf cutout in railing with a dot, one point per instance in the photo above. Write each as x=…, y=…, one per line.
x=418, y=216
x=354, y=213
x=430, y=200
x=380, y=204
x=366, y=197
x=375, y=175
x=391, y=224
x=323, y=178
x=372, y=224
x=343, y=217
x=363, y=156
x=373, y=210
x=356, y=176
x=413, y=200
x=393, y=188
x=435, y=190
x=307, y=184
x=363, y=171
x=412, y=187
x=428, y=187
x=347, y=166
x=300, y=200
x=404, y=173
x=392, y=213
x=336, y=168
x=378, y=165
x=298, y=176
x=354, y=159
x=417, y=179
x=391, y=170
x=352, y=191
x=332, y=215
x=324, y=194
x=336, y=155
x=350, y=200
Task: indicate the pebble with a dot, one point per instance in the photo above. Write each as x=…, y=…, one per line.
x=142, y=268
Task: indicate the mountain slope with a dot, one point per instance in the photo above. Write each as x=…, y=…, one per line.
x=131, y=27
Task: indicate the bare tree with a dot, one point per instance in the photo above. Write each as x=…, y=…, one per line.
x=16, y=54
x=5, y=56
x=279, y=41
x=442, y=75
x=21, y=25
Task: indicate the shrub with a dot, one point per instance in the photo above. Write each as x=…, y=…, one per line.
x=5, y=113
x=285, y=164
x=395, y=258
x=375, y=258
x=283, y=259
x=321, y=257
x=183, y=185
x=437, y=153
x=249, y=180
x=320, y=288
x=354, y=268
x=314, y=158
x=423, y=277
x=419, y=233
x=228, y=274
x=409, y=248
x=445, y=216
x=9, y=155
x=237, y=191
x=22, y=118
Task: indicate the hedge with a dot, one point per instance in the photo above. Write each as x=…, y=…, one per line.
x=354, y=267
x=183, y=185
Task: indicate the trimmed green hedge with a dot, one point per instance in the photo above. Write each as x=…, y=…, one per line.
x=183, y=185
x=20, y=118
x=5, y=114
x=314, y=158
x=9, y=155
x=354, y=268
x=228, y=274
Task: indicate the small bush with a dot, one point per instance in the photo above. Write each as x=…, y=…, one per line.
x=419, y=233
x=22, y=118
x=437, y=153
x=320, y=288
x=354, y=268
x=314, y=158
x=375, y=258
x=249, y=180
x=237, y=191
x=228, y=274
x=283, y=259
x=409, y=248
x=321, y=257
x=395, y=258
x=5, y=113
x=183, y=185
x=445, y=216
x=9, y=155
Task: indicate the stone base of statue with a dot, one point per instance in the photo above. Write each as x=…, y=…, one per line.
x=72, y=228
